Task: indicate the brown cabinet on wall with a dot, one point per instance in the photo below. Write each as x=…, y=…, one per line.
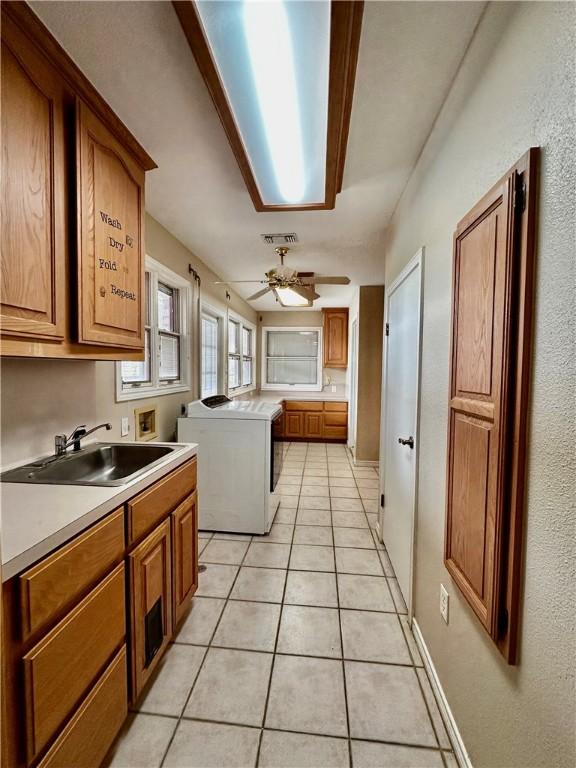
x=66, y=160
x=335, y=338
x=33, y=190
x=110, y=194
x=491, y=321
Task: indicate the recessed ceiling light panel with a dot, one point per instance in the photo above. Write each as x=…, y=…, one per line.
x=273, y=62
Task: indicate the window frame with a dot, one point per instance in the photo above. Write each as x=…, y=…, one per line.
x=159, y=273
x=220, y=316
x=241, y=389
x=318, y=387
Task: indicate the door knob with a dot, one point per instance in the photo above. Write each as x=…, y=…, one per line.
x=408, y=441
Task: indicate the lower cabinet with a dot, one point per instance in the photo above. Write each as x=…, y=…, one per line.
x=68, y=671
x=151, y=603
x=315, y=420
x=184, y=557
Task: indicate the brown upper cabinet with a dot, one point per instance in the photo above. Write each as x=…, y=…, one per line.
x=335, y=337
x=110, y=227
x=72, y=203
x=491, y=329
x=33, y=190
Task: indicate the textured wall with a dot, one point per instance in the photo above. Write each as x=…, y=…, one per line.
x=514, y=90
x=41, y=398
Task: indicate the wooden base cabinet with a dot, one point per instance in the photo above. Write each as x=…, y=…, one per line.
x=151, y=604
x=184, y=557
x=315, y=420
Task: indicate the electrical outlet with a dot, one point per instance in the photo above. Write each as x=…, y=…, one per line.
x=333, y=387
x=125, y=426
x=444, y=600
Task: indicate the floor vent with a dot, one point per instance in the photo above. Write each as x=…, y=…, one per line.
x=280, y=238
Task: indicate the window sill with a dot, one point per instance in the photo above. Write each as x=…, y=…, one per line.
x=241, y=391
x=140, y=393
x=293, y=387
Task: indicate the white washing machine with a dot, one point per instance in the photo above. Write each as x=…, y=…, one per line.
x=239, y=461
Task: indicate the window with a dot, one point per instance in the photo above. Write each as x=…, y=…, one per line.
x=211, y=362
x=240, y=355
x=166, y=364
x=291, y=358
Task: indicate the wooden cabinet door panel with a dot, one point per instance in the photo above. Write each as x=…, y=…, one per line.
x=493, y=252
x=294, y=424
x=151, y=604
x=110, y=237
x=86, y=739
x=313, y=425
x=335, y=338
x=33, y=208
x=184, y=556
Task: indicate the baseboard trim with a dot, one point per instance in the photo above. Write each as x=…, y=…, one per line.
x=449, y=721
x=365, y=463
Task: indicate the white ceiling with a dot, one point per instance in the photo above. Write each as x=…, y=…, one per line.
x=137, y=57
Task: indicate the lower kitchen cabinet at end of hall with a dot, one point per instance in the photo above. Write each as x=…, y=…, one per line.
x=86, y=626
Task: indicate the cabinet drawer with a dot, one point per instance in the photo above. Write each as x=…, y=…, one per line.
x=304, y=405
x=335, y=433
x=153, y=505
x=332, y=419
x=88, y=736
x=332, y=406
x=63, y=666
x=55, y=583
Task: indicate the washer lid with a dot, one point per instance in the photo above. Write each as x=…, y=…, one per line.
x=233, y=409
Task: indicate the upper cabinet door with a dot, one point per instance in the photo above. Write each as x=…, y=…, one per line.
x=33, y=237
x=110, y=237
x=335, y=338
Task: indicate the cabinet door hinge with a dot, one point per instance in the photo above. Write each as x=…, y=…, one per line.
x=387, y=329
x=520, y=196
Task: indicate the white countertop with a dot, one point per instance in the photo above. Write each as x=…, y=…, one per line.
x=276, y=396
x=36, y=519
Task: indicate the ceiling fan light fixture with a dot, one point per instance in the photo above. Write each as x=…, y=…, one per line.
x=288, y=297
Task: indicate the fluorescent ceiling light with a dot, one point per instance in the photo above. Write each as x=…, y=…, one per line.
x=271, y=52
x=288, y=297
x=272, y=59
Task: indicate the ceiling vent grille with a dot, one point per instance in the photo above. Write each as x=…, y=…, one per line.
x=280, y=239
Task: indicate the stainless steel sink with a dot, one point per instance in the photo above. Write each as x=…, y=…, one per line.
x=99, y=464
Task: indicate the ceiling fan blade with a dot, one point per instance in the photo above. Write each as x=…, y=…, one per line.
x=306, y=291
x=323, y=280
x=258, y=294
x=227, y=282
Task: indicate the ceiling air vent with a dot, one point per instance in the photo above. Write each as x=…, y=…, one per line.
x=280, y=239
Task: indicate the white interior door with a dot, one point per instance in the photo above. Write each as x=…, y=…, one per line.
x=399, y=462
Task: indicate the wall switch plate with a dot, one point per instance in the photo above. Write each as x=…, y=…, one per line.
x=333, y=387
x=125, y=426
x=444, y=599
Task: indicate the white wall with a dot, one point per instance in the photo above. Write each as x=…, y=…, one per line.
x=41, y=398
x=515, y=90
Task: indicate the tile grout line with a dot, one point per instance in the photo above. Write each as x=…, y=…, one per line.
x=180, y=717
x=265, y=713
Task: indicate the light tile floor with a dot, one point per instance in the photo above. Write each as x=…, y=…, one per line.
x=297, y=651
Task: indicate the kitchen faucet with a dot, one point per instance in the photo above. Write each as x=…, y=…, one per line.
x=62, y=443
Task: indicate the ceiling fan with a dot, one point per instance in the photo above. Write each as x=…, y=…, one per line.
x=291, y=288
